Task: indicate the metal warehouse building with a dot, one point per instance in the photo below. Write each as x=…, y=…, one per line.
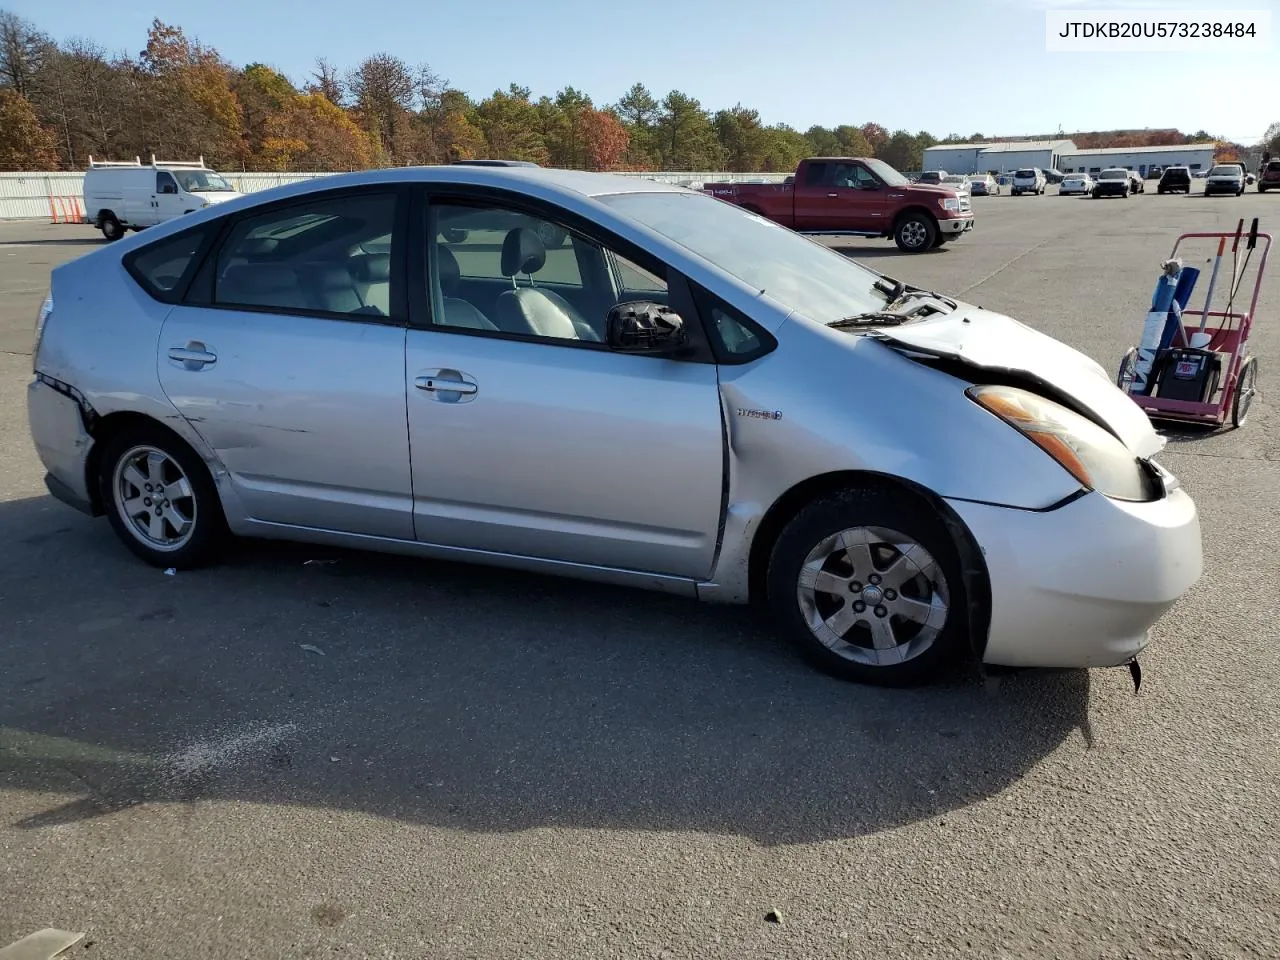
x=997, y=157
x=1197, y=156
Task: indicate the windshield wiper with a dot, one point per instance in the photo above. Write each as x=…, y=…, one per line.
x=875, y=318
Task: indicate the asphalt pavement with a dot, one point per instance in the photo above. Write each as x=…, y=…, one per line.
x=464, y=762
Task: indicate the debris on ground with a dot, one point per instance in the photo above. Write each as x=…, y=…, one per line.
x=773, y=916
x=171, y=572
x=312, y=648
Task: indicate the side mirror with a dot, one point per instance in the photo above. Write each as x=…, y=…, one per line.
x=642, y=326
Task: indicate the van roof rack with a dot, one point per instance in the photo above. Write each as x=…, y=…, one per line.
x=135, y=162
x=195, y=164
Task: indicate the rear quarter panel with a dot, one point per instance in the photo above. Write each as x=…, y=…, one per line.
x=102, y=339
x=775, y=200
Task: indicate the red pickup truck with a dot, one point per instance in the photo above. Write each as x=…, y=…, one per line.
x=856, y=196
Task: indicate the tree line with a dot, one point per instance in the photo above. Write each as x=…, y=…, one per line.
x=179, y=99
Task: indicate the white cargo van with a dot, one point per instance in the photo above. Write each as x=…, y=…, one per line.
x=130, y=196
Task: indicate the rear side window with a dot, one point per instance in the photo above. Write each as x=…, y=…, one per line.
x=327, y=256
x=162, y=268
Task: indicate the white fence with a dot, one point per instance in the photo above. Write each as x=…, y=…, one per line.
x=58, y=196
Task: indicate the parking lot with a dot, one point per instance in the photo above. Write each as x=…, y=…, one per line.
x=466, y=762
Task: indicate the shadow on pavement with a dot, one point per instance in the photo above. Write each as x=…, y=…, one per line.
x=61, y=242
x=464, y=697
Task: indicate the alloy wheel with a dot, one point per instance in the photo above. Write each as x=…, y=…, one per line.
x=153, y=496
x=873, y=596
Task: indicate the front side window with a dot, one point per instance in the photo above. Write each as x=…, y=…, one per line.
x=165, y=183
x=500, y=270
x=326, y=256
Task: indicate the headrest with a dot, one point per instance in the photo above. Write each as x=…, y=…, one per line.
x=447, y=268
x=371, y=268
x=522, y=252
x=257, y=246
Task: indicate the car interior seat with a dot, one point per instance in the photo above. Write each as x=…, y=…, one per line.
x=533, y=309
x=457, y=312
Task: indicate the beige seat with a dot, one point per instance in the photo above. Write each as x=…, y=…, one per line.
x=532, y=309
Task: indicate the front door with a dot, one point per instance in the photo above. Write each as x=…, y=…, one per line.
x=288, y=359
x=855, y=200
x=528, y=435
x=167, y=202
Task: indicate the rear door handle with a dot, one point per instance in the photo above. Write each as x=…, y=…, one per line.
x=194, y=356
x=450, y=386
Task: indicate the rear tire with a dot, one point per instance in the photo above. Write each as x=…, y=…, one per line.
x=160, y=499
x=915, y=232
x=868, y=586
x=110, y=227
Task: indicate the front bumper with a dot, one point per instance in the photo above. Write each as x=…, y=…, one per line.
x=61, y=441
x=1111, y=191
x=954, y=226
x=1081, y=586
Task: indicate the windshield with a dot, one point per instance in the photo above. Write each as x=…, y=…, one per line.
x=1025, y=173
x=890, y=176
x=956, y=179
x=1225, y=171
x=1113, y=175
x=202, y=181
x=801, y=274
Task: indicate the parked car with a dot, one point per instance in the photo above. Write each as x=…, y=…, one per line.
x=1174, y=179
x=1269, y=176
x=1153, y=173
x=958, y=183
x=1028, y=180
x=120, y=196
x=984, y=185
x=1075, y=183
x=320, y=362
x=1136, y=183
x=1225, y=178
x=1112, y=182
x=857, y=196
x=934, y=177
x=1053, y=175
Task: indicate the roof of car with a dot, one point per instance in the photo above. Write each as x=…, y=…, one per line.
x=549, y=179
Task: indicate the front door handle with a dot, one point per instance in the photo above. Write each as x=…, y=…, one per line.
x=450, y=386
x=194, y=356
x=833, y=194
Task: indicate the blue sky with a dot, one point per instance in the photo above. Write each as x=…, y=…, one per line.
x=944, y=66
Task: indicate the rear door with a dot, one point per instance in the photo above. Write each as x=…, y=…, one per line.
x=287, y=357
x=553, y=446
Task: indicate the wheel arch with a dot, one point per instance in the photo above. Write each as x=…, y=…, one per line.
x=977, y=583
x=104, y=428
x=910, y=209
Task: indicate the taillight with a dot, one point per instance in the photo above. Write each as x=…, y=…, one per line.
x=42, y=319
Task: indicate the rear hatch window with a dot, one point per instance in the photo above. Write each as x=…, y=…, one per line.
x=1025, y=173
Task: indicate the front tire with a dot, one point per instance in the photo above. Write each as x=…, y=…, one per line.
x=868, y=586
x=915, y=233
x=111, y=228
x=160, y=499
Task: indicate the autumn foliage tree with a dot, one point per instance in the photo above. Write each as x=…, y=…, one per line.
x=605, y=140
x=24, y=144
x=178, y=98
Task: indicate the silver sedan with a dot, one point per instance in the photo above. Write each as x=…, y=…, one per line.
x=617, y=380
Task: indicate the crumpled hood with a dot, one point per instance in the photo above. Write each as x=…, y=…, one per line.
x=993, y=341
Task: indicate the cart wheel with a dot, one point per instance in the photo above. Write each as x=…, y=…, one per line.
x=1128, y=370
x=1246, y=389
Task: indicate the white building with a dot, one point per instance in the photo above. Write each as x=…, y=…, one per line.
x=968, y=158
x=1197, y=156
